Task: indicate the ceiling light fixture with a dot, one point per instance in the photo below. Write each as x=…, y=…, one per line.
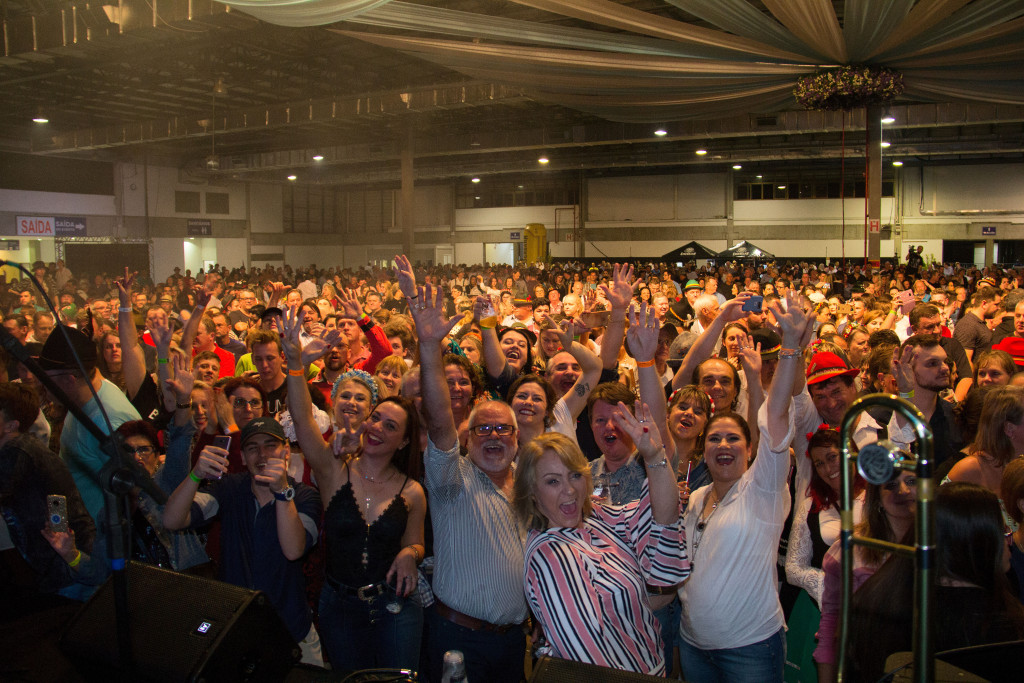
x=543, y=160
x=897, y=163
x=474, y=180
x=888, y=119
x=293, y=177
x=782, y=187
x=701, y=152
x=759, y=177
x=318, y=157
x=736, y=167
x=39, y=118
x=661, y=132
x=885, y=145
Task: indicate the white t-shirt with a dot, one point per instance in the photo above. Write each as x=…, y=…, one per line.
x=731, y=598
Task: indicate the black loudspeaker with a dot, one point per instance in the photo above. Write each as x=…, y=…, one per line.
x=183, y=628
x=553, y=670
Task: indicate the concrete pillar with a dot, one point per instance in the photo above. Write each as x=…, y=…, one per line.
x=873, y=181
x=990, y=245
x=407, y=198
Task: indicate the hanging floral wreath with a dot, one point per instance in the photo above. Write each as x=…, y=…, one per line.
x=848, y=87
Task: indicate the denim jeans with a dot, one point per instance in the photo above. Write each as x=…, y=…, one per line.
x=668, y=620
x=363, y=635
x=491, y=657
x=764, y=662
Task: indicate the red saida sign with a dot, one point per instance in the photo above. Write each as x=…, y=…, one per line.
x=35, y=226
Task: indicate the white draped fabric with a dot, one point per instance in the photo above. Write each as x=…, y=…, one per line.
x=632, y=65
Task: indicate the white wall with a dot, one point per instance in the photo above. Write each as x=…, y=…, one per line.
x=507, y=218
x=807, y=211
x=991, y=187
x=469, y=253
x=55, y=203
x=657, y=197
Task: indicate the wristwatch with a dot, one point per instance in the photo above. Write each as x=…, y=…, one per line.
x=287, y=494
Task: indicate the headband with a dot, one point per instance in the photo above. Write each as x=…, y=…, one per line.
x=360, y=376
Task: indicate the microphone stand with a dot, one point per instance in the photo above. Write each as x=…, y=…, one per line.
x=117, y=478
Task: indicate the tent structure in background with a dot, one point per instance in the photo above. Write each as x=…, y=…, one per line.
x=744, y=251
x=690, y=251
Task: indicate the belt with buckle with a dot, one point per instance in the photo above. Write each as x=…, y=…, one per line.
x=365, y=593
x=662, y=590
x=472, y=623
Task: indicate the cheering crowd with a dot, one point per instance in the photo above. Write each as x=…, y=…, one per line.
x=634, y=466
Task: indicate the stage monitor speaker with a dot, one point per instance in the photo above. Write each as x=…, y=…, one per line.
x=183, y=628
x=554, y=670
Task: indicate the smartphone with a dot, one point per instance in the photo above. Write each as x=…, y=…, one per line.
x=57, y=507
x=222, y=442
x=753, y=304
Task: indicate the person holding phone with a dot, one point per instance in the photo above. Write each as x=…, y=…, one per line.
x=268, y=523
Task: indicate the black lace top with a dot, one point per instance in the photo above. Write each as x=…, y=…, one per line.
x=359, y=554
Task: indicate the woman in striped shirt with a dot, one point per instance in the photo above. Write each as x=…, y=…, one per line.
x=586, y=564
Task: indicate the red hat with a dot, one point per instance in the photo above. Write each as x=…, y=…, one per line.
x=825, y=365
x=1013, y=346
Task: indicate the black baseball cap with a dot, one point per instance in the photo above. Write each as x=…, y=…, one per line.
x=261, y=425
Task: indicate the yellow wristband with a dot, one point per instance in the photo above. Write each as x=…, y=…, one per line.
x=78, y=558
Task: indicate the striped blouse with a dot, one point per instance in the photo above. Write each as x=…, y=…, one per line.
x=586, y=585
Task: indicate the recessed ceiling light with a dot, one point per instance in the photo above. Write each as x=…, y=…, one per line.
x=293, y=177
x=477, y=197
x=701, y=152
x=474, y=180
x=40, y=119
x=759, y=177
x=886, y=145
x=889, y=119
x=736, y=167
x=661, y=132
x=782, y=187
x=318, y=157
x=897, y=163
x=543, y=160
x=519, y=187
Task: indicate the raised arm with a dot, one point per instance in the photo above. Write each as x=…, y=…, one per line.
x=177, y=394
x=162, y=338
x=494, y=360
x=133, y=361
x=427, y=308
x=661, y=478
x=796, y=323
x=300, y=406
x=750, y=363
x=705, y=344
x=576, y=398
x=619, y=293
x=643, y=342
x=188, y=332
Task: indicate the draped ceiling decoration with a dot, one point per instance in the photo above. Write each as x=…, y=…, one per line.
x=746, y=55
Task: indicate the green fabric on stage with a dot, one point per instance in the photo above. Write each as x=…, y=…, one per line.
x=800, y=641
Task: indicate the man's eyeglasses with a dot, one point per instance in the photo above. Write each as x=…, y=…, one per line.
x=500, y=430
x=241, y=403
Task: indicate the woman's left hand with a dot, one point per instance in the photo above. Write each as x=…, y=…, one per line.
x=750, y=354
x=403, y=573
x=641, y=429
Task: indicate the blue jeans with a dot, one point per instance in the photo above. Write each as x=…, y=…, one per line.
x=491, y=657
x=363, y=635
x=764, y=662
x=668, y=619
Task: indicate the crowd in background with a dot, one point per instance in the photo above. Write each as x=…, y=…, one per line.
x=631, y=465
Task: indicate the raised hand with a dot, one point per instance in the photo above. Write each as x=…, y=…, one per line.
x=348, y=439
x=162, y=336
x=903, y=369
x=733, y=309
x=796, y=320
x=428, y=314
x=124, y=288
x=641, y=429
x=318, y=348
x=178, y=387
x=567, y=329
x=290, y=325
x=274, y=475
x=643, y=333
x=750, y=354
x=406, y=276
x=619, y=291
x=212, y=463
x=349, y=306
